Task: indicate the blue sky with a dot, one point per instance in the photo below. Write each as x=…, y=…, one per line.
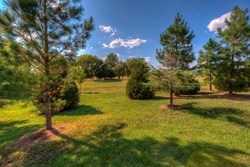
x=132, y=28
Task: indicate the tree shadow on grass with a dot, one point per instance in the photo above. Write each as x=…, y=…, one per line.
x=108, y=147
x=211, y=95
x=10, y=130
x=81, y=110
x=231, y=114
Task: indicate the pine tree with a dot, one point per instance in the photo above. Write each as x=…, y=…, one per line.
x=236, y=41
x=176, y=53
x=207, y=60
x=46, y=29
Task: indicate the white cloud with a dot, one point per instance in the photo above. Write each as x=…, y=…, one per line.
x=130, y=57
x=147, y=59
x=91, y=48
x=108, y=29
x=126, y=43
x=118, y=54
x=219, y=22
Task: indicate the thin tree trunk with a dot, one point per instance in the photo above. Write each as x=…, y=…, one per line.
x=47, y=70
x=171, y=94
x=231, y=71
x=48, y=120
x=210, y=78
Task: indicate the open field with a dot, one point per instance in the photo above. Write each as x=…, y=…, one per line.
x=108, y=129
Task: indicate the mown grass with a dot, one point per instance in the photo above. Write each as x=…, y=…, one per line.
x=108, y=129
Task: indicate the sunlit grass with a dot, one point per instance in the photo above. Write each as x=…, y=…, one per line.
x=108, y=129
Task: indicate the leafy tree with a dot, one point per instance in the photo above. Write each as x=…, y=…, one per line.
x=232, y=68
x=110, y=62
x=102, y=70
x=138, y=86
x=207, y=60
x=176, y=53
x=131, y=64
x=89, y=64
x=46, y=29
x=120, y=69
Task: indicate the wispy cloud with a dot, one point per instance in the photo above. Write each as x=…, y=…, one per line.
x=219, y=22
x=108, y=29
x=126, y=43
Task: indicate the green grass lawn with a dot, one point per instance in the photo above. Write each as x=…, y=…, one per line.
x=108, y=129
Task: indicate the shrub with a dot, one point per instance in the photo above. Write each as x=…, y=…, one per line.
x=191, y=87
x=135, y=90
x=138, y=85
x=71, y=96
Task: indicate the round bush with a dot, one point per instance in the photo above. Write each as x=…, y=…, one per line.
x=71, y=96
x=139, y=90
x=192, y=87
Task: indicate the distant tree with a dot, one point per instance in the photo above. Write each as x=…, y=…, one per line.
x=232, y=67
x=138, y=86
x=110, y=62
x=207, y=60
x=46, y=29
x=89, y=64
x=176, y=53
x=77, y=74
x=120, y=69
x=131, y=64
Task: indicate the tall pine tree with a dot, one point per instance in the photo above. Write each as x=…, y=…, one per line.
x=47, y=29
x=176, y=53
x=233, y=70
x=207, y=60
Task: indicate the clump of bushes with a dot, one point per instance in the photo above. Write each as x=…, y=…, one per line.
x=66, y=98
x=138, y=86
x=188, y=88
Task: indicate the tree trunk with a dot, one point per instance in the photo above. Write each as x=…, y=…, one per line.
x=231, y=71
x=171, y=94
x=210, y=78
x=48, y=120
x=47, y=70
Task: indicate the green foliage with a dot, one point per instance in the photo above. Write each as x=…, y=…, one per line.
x=176, y=54
x=47, y=29
x=189, y=87
x=207, y=60
x=55, y=83
x=90, y=64
x=138, y=86
x=120, y=69
x=70, y=95
x=16, y=77
x=232, y=68
x=111, y=60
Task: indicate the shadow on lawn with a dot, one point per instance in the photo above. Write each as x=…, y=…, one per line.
x=211, y=95
x=10, y=130
x=108, y=147
x=231, y=114
x=81, y=110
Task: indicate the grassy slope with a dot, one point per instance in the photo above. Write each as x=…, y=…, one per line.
x=108, y=129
